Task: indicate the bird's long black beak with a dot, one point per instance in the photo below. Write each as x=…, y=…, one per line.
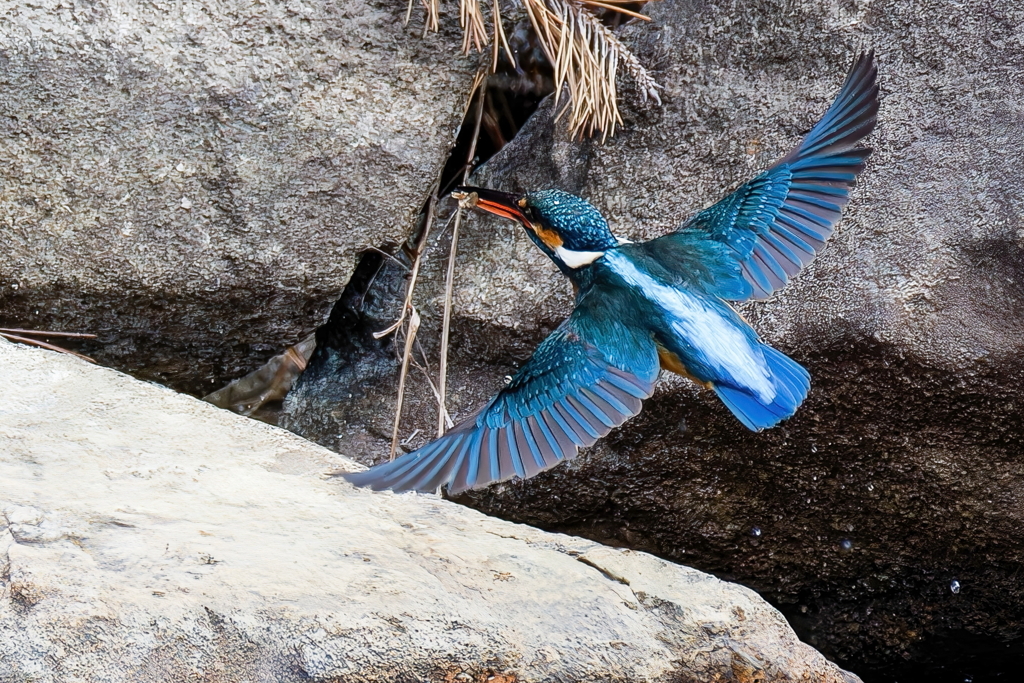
x=503, y=204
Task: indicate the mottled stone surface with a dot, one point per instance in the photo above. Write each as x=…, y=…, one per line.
x=193, y=181
x=147, y=536
x=902, y=472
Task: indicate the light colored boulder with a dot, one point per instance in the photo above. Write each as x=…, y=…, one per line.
x=147, y=536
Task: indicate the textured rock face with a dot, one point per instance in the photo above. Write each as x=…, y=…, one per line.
x=146, y=536
x=194, y=181
x=901, y=473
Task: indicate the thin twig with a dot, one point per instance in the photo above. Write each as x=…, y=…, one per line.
x=387, y=256
x=425, y=369
x=46, y=333
x=408, y=441
x=417, y=254
x=500, y=39
x=449, y=285
x=615, y=8
x=408, y=310
x=410, y=337
x=44, y=345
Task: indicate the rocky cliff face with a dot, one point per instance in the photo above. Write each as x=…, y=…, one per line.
x=882, y=518
x=194, y=182
x=146, y=536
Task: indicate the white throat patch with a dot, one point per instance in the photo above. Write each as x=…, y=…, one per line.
x=577, y=259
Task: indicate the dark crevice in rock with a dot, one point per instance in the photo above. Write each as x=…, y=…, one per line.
x=351, y=374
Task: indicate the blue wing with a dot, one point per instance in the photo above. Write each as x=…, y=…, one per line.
x=775, y=224
x=586, y=378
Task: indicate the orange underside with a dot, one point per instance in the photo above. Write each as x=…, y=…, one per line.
x=671, y=362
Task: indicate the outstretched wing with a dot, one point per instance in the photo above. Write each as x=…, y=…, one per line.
x=586, y=378
x=775, y=224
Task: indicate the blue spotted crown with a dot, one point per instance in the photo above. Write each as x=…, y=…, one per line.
x=580, y=225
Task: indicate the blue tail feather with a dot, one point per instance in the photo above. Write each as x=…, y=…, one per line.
x=791, y=386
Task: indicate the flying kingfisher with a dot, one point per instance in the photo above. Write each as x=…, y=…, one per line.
x=651, y=305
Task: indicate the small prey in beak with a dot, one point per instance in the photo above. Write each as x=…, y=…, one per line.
x=504, y=204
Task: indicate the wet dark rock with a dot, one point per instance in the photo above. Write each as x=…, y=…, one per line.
x=194, y=185
x=349, y=383
x=902, y=471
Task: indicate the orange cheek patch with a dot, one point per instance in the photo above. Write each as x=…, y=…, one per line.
x=548, y=237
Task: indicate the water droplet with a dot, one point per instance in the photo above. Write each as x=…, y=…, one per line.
x=846, y=544
x=968, y=679
x=871, y=487
x=756, y=532
x=954, y=586
x=814, y=449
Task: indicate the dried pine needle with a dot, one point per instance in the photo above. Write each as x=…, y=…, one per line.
x=586, y=56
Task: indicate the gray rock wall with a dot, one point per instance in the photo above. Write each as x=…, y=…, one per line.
x=193, y=182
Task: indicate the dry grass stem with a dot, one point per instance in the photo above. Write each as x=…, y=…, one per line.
x=8, y=334
x=410, y=337
x=408, y=311
x=425, y=369
x=500, y=40
x=474, y=32
x=449, y=284
x=446, y=325
x=616, y=6
x=417, y=254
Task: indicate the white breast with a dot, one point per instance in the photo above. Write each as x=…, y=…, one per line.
x=577, y=259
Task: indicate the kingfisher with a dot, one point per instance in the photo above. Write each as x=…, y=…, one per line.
x=660, y=304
